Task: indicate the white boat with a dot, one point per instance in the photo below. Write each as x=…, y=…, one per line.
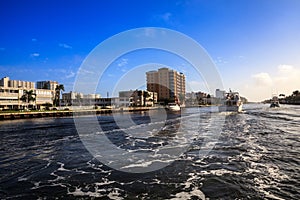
x=274, y=102
x=173, y=107
x=231, y=103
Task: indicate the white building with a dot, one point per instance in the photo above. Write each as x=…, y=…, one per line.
x=78, y=99
x=220, y=94
x=11, y=92
x=49, y=85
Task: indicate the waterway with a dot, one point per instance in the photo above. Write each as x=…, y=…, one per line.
x=250, y=155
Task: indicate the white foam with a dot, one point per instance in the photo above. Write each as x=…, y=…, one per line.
x=78, y=192
x=105, y=181
x=22, y=178
x=142, y=164
x=115, y=195
x=61, y=168
x=188, y=195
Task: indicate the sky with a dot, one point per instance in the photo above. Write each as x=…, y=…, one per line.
x=254, y=44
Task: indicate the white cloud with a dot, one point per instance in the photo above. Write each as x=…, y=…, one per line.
x=66, y=46
x=85, y=72
x=262, y=79
x=284, y=80
x=35, y=55
x=33, y=39
x=149, y=32
x=220, y=60
x=283, y=69
x=70, y=75
x=123, y=62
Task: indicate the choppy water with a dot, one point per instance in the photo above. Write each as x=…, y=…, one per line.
x=256, y=156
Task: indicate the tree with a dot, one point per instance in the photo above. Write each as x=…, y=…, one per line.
x=58, y=90
x=296, y=93
x=181, y=98
x=28, y=96
x=78, y=98
x=145, y=96
x=140, y=93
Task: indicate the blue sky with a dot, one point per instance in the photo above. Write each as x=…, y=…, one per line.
x=254, y=44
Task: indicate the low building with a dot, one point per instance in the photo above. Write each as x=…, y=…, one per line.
x=44, y=97
x=11, y=92
x=220, y=94
x=197, y=98
x=138, y=97
x=123, y=102
x=79, y=99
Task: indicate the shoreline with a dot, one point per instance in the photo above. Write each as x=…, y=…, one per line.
x=65, y=113
x=14, y=115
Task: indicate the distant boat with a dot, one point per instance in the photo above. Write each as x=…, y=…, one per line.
x=173, y=107
x=274, y=102
x=231, y=103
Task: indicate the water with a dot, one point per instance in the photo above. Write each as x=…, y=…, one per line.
x=256, y=156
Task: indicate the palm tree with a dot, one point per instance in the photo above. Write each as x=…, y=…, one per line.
x=78, y=99
x=28, y=96
x=145, y=96
x=140, y=93
x=58, y=90
x=181, y=98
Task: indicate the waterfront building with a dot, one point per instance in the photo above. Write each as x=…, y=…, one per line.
x=138, y=97
x=71, y=98
x=220, y=94
x=109, y=102
x=46, y=89
x=49, y=85
x=167, y=83
x=44, y=97
x=197, y=98
x=11, y=92
x=125, y=98
x=7, y=83
x=122, y=102
x=78, y=99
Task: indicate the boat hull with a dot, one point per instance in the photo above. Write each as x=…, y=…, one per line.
x=274, y=105
x=173, y=108
x=230, y=108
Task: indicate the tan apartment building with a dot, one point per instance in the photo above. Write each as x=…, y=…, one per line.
x=11, y=92
x=169, y=84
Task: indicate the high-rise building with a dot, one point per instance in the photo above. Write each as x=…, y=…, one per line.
x=169, y=84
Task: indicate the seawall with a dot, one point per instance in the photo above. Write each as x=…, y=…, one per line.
x=65, y=113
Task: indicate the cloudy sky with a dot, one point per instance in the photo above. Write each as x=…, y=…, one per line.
x=255, y=44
